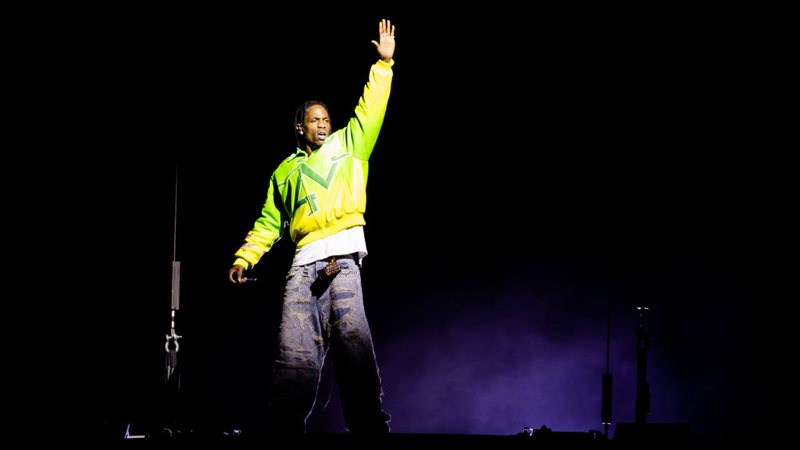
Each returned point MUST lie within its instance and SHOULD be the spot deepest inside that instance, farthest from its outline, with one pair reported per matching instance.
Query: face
(316, 127)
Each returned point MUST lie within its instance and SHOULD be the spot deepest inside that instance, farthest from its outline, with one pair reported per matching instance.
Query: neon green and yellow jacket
(324, 193)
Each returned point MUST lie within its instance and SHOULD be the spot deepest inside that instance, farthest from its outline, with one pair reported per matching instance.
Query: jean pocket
(295, 271)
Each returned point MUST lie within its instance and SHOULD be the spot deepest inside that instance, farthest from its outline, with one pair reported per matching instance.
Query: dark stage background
(530, 171)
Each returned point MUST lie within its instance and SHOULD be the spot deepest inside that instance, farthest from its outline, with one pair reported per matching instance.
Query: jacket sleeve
(267, 229)
(362, 129)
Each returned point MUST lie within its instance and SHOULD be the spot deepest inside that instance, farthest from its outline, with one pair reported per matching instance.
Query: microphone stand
(172, 376)
(605, 407)
(642, 386)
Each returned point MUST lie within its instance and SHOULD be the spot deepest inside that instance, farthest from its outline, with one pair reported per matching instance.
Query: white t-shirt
(344, 242)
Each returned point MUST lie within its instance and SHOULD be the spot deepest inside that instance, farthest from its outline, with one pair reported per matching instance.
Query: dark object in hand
(330, 269)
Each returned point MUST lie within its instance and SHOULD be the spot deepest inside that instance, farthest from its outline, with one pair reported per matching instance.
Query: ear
(299, 128)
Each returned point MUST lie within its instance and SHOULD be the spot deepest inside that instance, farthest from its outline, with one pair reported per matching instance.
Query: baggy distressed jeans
(319, 315)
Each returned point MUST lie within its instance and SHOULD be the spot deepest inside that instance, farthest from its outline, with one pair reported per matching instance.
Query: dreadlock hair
(300, 118)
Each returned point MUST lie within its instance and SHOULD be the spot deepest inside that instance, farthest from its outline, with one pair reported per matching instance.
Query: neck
(309, 148)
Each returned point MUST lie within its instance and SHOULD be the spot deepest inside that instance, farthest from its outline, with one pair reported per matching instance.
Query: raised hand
(385, 44)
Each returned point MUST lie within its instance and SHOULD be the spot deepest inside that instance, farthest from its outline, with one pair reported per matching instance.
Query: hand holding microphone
(236, 275)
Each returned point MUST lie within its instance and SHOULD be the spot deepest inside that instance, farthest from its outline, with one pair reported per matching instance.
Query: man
(320, 191)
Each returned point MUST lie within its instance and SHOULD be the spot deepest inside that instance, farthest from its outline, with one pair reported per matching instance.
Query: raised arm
(385, 42)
